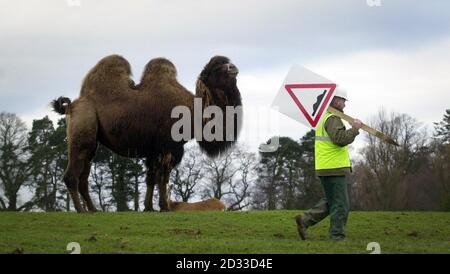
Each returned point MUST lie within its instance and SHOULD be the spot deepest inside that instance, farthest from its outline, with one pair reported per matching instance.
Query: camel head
(219, 73)
(217, 86)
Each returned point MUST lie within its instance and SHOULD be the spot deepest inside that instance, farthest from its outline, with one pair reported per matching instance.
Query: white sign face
(304, 96)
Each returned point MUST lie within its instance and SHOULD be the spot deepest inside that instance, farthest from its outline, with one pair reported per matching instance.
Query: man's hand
(356, 124)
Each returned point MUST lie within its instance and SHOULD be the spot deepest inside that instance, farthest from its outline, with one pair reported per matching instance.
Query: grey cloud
(47, 47)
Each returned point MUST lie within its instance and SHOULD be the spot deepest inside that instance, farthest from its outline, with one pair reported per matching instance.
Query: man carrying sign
(332, 162)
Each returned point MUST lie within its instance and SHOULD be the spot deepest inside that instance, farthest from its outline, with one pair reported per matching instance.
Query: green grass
(219, 232)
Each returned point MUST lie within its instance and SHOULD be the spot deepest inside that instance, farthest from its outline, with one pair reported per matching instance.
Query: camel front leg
(163, 204)
(150, 179)
(148, 203)
(166, 168)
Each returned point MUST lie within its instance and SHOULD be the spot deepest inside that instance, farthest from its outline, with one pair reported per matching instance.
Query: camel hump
(111, 64)
(111, 74)
(158, 69)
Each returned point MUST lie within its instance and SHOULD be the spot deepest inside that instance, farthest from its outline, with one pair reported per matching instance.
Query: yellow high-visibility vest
(327, 154)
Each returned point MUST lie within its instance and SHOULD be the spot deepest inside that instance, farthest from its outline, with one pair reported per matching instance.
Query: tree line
(412, 176)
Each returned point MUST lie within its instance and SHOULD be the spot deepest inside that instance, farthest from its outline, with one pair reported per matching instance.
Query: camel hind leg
(82, 142)
(83, 185)
(166, 166)
(158, 172)
(71, 181)
(76, 176)
(150, 179)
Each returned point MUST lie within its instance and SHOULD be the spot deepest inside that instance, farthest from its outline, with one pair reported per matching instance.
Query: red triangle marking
(312, 122)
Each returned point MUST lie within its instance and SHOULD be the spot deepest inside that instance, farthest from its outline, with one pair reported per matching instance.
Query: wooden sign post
(364, 127)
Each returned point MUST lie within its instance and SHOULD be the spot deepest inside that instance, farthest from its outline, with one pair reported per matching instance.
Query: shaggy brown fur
(108, 79)
(212, 204)
(138, 123)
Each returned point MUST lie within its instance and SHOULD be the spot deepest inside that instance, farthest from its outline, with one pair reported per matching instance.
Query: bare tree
(239, 197)
(14, 168)
(229, 176)
(390, 177)
(98, 175)
(186, 177)
(219, 173)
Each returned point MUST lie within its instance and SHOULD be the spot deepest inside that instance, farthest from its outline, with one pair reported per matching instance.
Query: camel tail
(61, 104)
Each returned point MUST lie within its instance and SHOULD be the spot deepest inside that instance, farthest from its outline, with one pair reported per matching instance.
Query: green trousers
(335, 204)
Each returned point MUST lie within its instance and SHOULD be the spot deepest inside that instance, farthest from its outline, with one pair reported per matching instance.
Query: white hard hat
(340, 92)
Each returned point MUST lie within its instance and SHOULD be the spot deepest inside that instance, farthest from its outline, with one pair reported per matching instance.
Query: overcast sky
(395, 56)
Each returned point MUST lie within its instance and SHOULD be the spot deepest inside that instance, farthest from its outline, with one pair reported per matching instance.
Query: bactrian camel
(135, 120)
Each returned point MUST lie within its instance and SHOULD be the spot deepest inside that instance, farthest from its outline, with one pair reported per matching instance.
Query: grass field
(219, 232)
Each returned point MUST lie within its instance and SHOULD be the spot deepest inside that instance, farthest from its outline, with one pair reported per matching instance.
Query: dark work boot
(301, 227)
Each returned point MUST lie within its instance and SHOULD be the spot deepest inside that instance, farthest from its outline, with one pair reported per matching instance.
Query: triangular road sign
(304, 96)
(323, 94)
